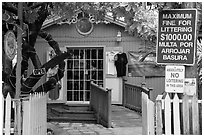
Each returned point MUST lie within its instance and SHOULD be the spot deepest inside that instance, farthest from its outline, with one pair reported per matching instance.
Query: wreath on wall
(84, 26)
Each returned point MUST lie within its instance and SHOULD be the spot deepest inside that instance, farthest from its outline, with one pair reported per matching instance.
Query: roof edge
(54, 20)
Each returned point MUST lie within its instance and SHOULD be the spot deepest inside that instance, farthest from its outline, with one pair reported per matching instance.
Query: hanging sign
(174, 79)
(176, 40)
(39, 72)
(10, 44)
(190, 86)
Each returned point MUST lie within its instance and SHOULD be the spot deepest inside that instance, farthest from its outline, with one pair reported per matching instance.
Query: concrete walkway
(124, 122)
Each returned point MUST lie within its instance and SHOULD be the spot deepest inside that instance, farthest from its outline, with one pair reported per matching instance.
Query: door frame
(65, 73)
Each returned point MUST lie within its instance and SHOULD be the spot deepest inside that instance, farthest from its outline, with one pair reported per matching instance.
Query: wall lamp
(119, 37)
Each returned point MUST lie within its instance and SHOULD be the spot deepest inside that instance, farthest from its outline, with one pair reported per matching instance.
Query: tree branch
(36, 5)
(50, 41)
(33, 79)
(6, 7)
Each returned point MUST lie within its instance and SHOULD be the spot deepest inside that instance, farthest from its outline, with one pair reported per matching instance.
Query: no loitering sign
(174, 79)
(176, 40)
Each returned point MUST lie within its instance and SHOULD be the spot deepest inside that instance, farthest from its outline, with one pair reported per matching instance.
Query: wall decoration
(84, 26)
(10, 44)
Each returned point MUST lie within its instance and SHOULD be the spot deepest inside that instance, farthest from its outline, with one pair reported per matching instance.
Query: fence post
(3, 113)
(195, 115)
(25, 117)
(98, 110)
(151, 115)
(159, 123)
(18, 119)
(186, 128)
(176, 115)
(145, 122)
(167, 113)
(45, 114)
(109, 108)
(30, 111)
(8, 115)
(124, 92)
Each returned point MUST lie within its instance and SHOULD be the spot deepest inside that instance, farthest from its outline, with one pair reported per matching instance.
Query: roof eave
(54, 20)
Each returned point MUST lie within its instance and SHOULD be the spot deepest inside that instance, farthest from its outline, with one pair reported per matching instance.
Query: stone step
(72, 113)
(76, 106)
(71, 119)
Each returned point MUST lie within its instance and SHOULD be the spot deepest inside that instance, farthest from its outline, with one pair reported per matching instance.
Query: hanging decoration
(10, 44)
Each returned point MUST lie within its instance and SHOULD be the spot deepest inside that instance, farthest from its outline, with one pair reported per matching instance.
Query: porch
(116, 119)
(124, 122)
(121, 120)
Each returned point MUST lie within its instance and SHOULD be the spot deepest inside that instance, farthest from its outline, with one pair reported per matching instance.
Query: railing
(147, 111)
(137, 98)
(30, 115)
(173, 116)
(100, 103)
(132, 97)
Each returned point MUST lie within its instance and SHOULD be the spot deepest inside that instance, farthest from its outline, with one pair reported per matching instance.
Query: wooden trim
(57, 19)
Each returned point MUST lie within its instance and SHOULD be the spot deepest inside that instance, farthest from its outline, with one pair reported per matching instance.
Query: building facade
(93, 59)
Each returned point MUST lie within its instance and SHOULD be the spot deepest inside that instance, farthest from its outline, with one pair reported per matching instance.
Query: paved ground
(124, 122)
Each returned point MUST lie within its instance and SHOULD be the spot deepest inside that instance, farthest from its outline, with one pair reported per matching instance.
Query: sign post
(176, 40)
(19, 50)
(17, 124)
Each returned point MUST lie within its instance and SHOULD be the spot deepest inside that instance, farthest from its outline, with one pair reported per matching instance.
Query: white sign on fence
(174, 79)
(190, 86)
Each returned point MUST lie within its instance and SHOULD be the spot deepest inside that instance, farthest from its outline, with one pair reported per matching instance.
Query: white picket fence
(30, 115)
(172, 116)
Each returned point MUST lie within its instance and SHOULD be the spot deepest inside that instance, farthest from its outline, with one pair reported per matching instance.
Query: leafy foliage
(141, 18)
(199, 61)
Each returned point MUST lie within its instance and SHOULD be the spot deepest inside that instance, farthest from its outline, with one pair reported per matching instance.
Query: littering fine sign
(176, 40)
